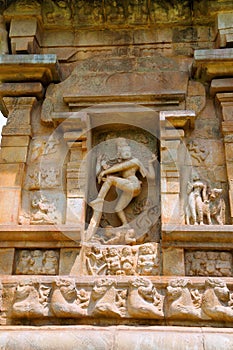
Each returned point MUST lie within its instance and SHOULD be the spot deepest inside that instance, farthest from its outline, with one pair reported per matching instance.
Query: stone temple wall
(116, 174)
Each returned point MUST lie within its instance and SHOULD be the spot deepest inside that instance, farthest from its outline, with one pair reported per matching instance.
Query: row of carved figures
(137, 298)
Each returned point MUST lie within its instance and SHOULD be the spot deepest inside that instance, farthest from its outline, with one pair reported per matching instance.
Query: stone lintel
(183, 119)
(71, 121)
(29, 68)
(213, 63)
(225, 29)
(115, 337)
(201, 236)
(36, 235)
(21, 89)
(225, 97)
(219, 86)
(152, 99)
(227, 128)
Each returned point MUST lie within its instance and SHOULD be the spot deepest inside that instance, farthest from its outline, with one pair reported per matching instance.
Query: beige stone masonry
(225, 29)
(226, 103)
(25, 35)
(173, 125)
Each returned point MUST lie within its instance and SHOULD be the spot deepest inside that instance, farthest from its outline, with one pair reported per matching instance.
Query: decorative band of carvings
(205, 300)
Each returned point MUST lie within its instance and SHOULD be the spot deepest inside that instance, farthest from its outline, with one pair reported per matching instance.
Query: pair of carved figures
(204, 204)
(180, 300)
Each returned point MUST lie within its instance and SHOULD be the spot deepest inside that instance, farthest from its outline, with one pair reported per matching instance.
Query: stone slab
(11, 175)
(221, 85)
(173, 262)
(13, 141)
(6, 261)
(67, 265)
(54, 235)
(213, 63)
(115, 338)
(56, 338)
(21, 89)
(13, 154)
(205, 236)
(43, 68)
(9, 204)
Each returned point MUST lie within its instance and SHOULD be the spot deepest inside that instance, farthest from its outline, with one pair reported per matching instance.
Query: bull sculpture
(202, 205)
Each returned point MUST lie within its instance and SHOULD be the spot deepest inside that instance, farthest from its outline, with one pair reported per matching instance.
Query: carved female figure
(196, 196)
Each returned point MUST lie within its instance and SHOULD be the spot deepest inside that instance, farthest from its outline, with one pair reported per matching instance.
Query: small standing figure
(113, 262)
(50, 262)
(196, 197)
(25, 262)
(127, 261)
(37, 256)
(148, 262)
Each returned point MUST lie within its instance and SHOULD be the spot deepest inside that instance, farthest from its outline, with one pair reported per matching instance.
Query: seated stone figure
(122, 175)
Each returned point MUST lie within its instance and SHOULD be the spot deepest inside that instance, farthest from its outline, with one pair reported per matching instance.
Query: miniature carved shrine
(116, 174)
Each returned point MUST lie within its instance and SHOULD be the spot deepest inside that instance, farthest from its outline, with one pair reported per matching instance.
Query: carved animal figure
(212, 207)
(179, 303)
(216, 300)
(215, 208)
(65, 300)
(27, 302)
(143, 300)
(103, 299)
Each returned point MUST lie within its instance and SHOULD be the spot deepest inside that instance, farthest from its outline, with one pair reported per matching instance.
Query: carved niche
(123, 189)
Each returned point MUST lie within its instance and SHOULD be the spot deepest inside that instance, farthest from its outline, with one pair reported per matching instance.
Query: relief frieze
(178, 300)
(143, 260)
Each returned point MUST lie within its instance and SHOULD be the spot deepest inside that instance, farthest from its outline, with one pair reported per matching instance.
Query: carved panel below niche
(208, 263)
(36, 262)
(123, 260)
(142, 212)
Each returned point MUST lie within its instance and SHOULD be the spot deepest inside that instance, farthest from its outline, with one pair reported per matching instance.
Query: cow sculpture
(212, 208)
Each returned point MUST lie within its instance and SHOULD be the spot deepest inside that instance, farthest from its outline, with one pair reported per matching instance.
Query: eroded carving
(143, 299)
(31, 300)
(197, 152)
(103, 300)
(43, 178)
(88, 13)
(115, 11)
(44, 211)
(208, 263)
(137, 11)
(43, 147)
(37, 262)
(67, 300)
(57, 11)
(148, 261)
(181, 301)
(216, 301)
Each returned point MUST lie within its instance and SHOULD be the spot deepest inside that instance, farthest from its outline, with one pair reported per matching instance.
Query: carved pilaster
(226, 102)
(15, 143)
(172, 126)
